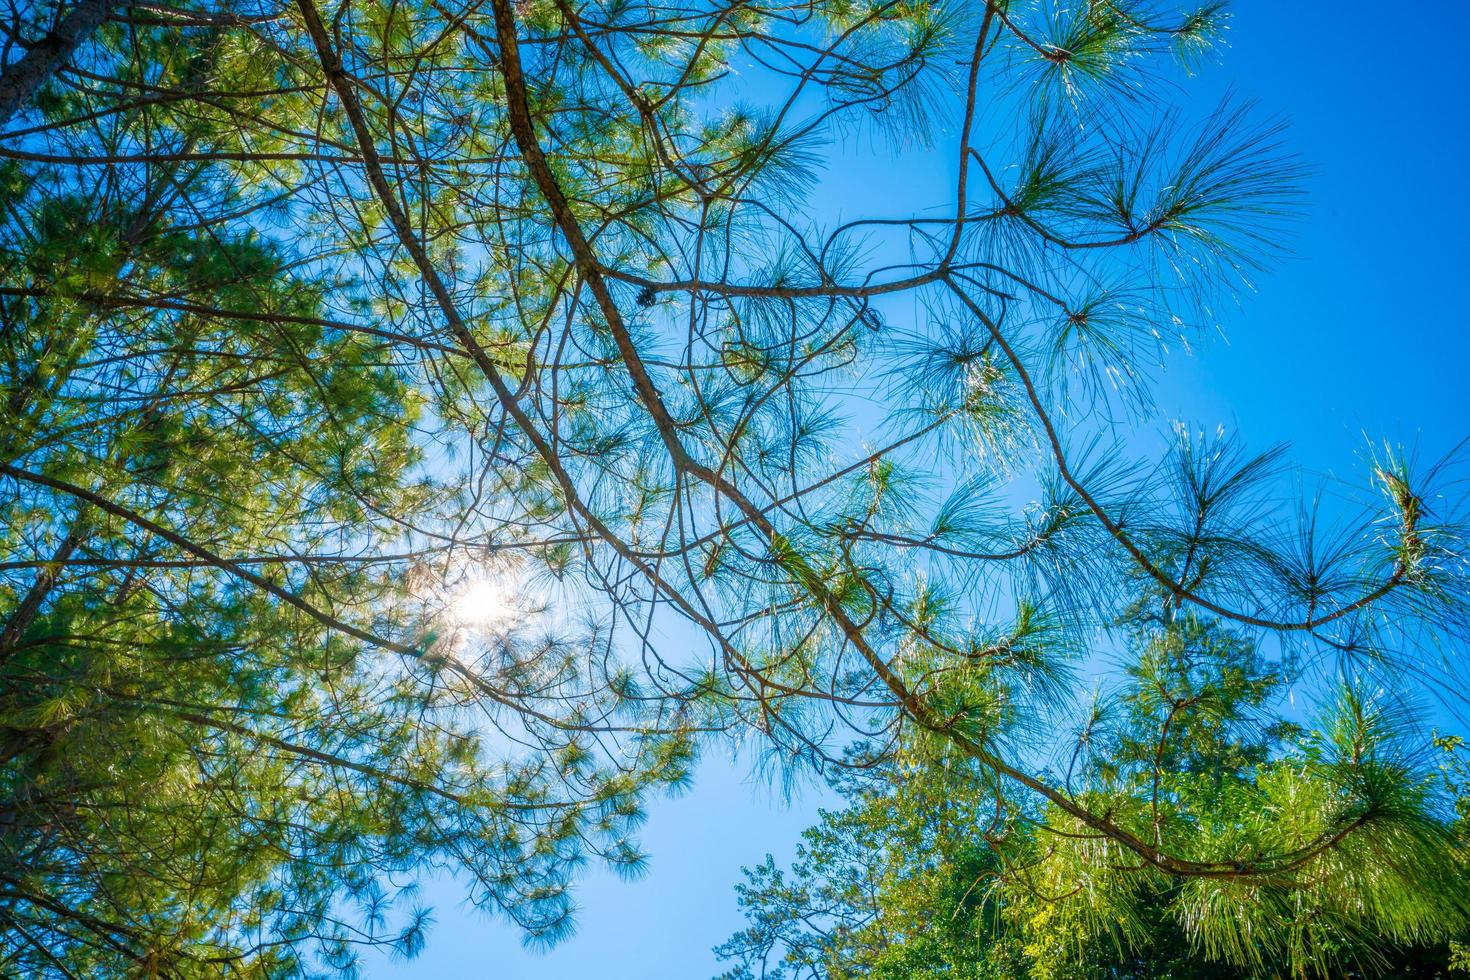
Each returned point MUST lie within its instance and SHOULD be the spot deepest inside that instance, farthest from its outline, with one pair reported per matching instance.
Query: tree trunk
(20, 80)
(25, 613)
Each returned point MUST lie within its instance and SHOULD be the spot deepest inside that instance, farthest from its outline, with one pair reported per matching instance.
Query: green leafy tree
(931, 872)
(898, 884)
(379, 305)
(226, 714)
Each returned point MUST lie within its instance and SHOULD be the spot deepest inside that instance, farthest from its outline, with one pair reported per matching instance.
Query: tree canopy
(428, 424)
(928, 873)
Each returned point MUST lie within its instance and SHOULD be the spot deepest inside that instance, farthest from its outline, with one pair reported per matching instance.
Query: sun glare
(481, 604)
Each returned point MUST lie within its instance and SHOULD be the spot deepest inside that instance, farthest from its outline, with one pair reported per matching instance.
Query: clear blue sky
(1362, 334)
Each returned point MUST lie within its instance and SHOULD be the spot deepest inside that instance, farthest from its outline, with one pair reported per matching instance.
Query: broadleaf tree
(426, 423)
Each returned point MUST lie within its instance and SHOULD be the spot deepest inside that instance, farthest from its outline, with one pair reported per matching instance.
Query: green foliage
(199, 775)
(933, 870)
(425, 423)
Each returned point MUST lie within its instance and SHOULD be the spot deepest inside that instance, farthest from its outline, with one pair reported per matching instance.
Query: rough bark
(20, 79)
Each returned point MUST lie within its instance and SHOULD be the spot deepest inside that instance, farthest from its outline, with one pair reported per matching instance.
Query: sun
(482, 604)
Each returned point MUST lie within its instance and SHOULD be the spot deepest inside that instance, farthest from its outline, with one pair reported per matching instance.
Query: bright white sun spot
(483, 604)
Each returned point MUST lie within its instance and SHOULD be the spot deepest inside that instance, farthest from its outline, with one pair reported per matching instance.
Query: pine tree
(933, 871)
(228, 705)
(316, 315)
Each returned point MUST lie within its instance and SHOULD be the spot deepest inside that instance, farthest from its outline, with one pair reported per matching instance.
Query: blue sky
(1360, 335)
